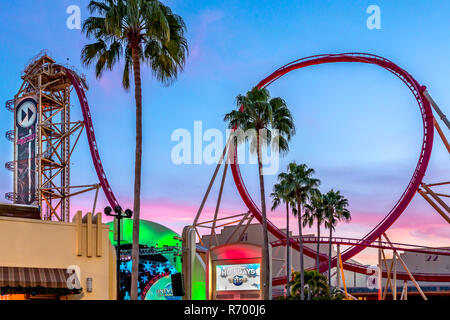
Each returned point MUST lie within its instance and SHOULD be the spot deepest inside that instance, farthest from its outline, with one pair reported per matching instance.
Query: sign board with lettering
(26, 149)
(238, 277)
(234, 272)
(161, 290)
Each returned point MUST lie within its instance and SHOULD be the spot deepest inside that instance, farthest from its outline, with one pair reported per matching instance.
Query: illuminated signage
(233, 277)
(26, 150)
(161, 290)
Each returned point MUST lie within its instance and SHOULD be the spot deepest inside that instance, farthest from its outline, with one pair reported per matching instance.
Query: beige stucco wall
(49, 244)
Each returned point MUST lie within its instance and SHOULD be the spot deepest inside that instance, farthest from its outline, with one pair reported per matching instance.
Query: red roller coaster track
(416, 180)
(376, 244)
(357, 245)
(78, 85)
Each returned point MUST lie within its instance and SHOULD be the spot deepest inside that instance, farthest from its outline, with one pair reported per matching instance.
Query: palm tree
(316, 283)
(302, 185)
(314, 213)
(280, 194)
(136, 31)
(335, 210)
(263, 120)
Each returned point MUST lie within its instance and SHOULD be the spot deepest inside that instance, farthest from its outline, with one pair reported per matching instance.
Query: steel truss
(52, 87)
(434, 198)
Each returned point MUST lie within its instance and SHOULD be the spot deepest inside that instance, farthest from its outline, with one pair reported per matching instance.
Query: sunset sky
(357, 125)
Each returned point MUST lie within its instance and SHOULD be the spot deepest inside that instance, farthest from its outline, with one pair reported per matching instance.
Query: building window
(244, 237)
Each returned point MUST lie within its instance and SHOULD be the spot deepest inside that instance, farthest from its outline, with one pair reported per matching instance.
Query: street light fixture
(119, 215)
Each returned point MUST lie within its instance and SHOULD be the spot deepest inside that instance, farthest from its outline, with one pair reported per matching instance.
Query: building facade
(47, 247)
(254, 235)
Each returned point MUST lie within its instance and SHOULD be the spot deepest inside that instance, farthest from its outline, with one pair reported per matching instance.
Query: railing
(399, 289)
(366, 243)
(152, 251)
(33, 60)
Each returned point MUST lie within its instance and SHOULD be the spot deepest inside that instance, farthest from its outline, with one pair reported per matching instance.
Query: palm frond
(148, 26)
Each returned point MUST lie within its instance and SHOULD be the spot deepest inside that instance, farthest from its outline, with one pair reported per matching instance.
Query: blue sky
(357, 125)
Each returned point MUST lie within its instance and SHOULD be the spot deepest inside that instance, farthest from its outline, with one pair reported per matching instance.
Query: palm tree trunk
(267, 275)
(300, 239)
(288, 258)
(329, 261)
(318, 246)
(137, 175)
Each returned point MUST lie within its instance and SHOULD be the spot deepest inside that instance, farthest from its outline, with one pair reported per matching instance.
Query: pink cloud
(207, 18)
(419, 224)
(111, 80)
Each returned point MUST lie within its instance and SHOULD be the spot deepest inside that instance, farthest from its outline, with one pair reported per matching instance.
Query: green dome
(150, 233)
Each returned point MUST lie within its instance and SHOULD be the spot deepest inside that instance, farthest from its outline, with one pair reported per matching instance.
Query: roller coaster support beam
(407, 270)
(203, 224)
(245, 228)
(380, 271)
(404, 295)
(425, 193)
(435, 197)
(211, 182)
(436, 108)
(219, 199)
(205, 197)
(394, 289)
(342, 273)
(338, 277)
(388, 280)
(237, 228)
(441, 134)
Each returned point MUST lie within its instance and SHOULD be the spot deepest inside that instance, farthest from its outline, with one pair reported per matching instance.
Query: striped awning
(33, 277)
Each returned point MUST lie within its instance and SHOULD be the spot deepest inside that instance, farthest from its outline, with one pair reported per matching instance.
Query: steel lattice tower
(44, 164)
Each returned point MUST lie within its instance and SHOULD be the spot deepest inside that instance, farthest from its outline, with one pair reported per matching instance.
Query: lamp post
(119, 215)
